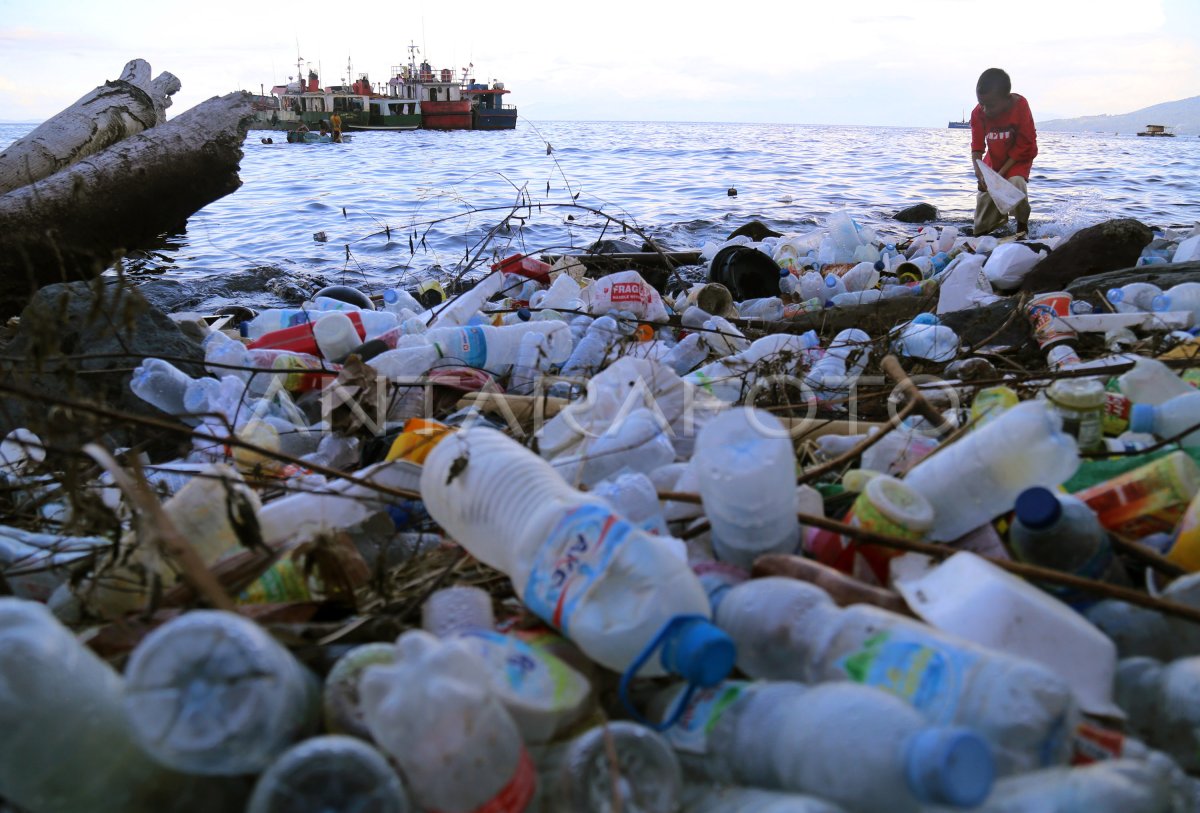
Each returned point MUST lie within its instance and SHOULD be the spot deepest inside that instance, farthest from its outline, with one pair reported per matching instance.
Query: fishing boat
(448, 101)
(303, 101)
(960, 125)
(1157, 131)
(488, 112)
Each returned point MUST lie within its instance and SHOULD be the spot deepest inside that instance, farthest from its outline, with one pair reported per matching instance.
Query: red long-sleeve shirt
(1010, 135)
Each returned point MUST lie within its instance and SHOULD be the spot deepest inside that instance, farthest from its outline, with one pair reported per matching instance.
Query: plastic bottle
(458, 310)
(812, 285)
(861, 277)
(851, 298)
(573, 561)
(273, 319)
(828, 373)
(1161, 701)
(302, 338)
(747, 471)
(541, 693)
(212, 693)
(66, 745)
(705, 798)
(397, 300)
(1170, 418)
(979, 477)
(329, 773)
(340, 702)
(1080, 402)
(926, 339)
(687, 355)
(496, 348)
(791, 630)
(1063, 533)
(785, 736)
(634, 496)
(834, 287)
(1134, 297)
(588, 356)
(769, 308)
(1152, 498)
(580, 776)
(1182, 297)
(476, 758)
(1151, 382)
(531, 361)
(1114, 786)
(162, 385)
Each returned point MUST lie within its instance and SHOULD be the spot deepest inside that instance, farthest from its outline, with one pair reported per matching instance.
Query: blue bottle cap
(1141, 418)
(783, 272)
(524, 314)
(699, 652)
(949, 766)
(1038, 508)
(390, 295)
(1160, 303)
(926, 319)
(879, 266)
(831, 281)
(1115, 295)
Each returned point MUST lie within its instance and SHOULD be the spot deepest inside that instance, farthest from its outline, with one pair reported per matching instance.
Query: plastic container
(1170, 418)
(66, 745)
(1134, 297)
(1182, 297)
(541, 693)
(637, 441)
(1044, 312)
(588, 355)
(1080, 402)
(791, 630)
(769, 308)
(302, 338)
(575, 563)
(746, 467)
(581, 776)
(162, 385)
(829, 373)
(329, 773)
(936, 343)
(1115, 786)
(1061, 532)
(991, 403)
(687, 355)
(525, 266)
(477, 757)
(496, 348)
(704, 798)
(1151, 382)
(981, 474)
(971, 597)
(212, 693)
(785, 736)
(398, 300)
(340, 702)
(531, 362)
(1161, 701)
(1149, 499)
(633, 495)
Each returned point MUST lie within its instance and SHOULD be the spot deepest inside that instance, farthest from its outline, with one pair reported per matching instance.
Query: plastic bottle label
(929, 678)
(571, 560)
(470, 347)
(528, 673)
(692, 730)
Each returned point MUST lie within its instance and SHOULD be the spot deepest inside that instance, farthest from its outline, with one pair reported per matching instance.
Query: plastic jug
(1151, 382)
(434, 713)
(329, 773)
(785, 736)
(622, 595)
(981, 474)
(792, 630)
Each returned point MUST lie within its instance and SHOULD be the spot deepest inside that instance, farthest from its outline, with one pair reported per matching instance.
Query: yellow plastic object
(417, 440)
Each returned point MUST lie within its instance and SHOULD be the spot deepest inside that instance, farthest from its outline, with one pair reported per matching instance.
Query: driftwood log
(75, 223)
(111, 112)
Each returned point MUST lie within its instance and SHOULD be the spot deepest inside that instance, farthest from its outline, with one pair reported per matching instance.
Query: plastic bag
(1010, 263)
(1004, 194)
(965, 286)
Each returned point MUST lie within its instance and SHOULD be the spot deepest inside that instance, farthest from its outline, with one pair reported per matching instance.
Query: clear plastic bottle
(1134, 297)
(1063, 533)
(861, 277)
(459, 310)
(812, 285)
(329, 773)
(828, 373)
(588, 355)
(511, 510)
(769, 308)
(1151, 382)
(212, 693)
(851, 298)
(786, 736)
(66, 745)
(434, 713)
(633, 495)
(1182, 297)
(834, 287)
(747, 471)
(542, 693)
(579, 775)
(979, 477)
(397, 300)
(687, 355)
(496, 348)
(786, 629)
(1163, 704)
(703, 798)
(639, 442)
(1114, 786)
(532, 360)
(1168, 419)
(926, 339)
(162, 385)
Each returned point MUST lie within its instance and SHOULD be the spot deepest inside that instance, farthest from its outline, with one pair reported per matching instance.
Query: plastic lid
(1160, 303)
(950, 766)
(390, 295)
(1115, 295)
(1081, 393)
(699, 652)
(1038, 507)
(1141, 418)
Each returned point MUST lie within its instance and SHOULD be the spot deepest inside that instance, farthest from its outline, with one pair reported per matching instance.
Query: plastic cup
(1044, 312)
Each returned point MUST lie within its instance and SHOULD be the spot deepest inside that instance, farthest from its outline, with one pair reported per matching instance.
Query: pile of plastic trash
(570, 544)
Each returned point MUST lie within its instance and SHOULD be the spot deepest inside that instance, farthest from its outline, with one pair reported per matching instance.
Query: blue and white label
(924, 672)
(469, 347)
(571, 560)
(693, 730)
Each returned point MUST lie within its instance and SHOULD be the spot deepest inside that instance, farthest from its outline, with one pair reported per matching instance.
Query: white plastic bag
(1004, 194)
(1009, 263)
(624, 291)
(965, 286)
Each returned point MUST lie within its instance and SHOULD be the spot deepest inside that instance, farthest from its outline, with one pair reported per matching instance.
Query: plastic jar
(1081, 403)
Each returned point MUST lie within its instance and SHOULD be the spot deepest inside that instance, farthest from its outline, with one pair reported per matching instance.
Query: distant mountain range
(1181, 117)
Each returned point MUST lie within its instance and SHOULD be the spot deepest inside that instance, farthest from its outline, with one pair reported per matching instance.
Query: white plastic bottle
(459, 310)
(685, 356)
(861, 277)
(787, 629)
(580, 775)
(588, 355)
(66, 745)
(747, 471)
(705, 798)
(1182, 297)
(829, 373)
(1151, 382)
(162, 385)
(329, 773)
(532, 360)
(633, 494)
(619, 593)
(769, 308)
(398, 300)
(435, 714)
(834, 287)
(925, 338)
(495, 348)
(1168, 419)
(638, 441)
(812, 285)
(803, 739)
(979, 477)
(1134, 297)
(1163, 704)
(212, 693)
(542, 693)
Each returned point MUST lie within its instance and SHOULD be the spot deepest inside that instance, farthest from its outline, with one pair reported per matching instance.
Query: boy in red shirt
(1002, 124)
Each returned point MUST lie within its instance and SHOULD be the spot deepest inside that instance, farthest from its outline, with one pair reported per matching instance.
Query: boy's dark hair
(993, 79)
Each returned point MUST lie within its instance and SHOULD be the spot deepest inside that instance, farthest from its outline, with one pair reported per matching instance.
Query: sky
(871, 62)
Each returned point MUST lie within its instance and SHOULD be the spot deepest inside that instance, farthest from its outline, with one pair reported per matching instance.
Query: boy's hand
(980, 184)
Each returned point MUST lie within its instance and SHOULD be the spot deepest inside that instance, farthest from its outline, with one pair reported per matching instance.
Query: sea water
(393, 209)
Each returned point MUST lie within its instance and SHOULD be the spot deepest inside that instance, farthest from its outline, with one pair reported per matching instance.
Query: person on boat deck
(335, 123)
(1003, 135)
(324, 127)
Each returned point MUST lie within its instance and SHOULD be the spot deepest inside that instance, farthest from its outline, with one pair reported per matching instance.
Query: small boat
(304, 101)
(1157, 130)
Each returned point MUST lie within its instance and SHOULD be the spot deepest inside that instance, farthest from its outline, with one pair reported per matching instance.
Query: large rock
(80, 341)
(1107, 246)
(920, 213)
